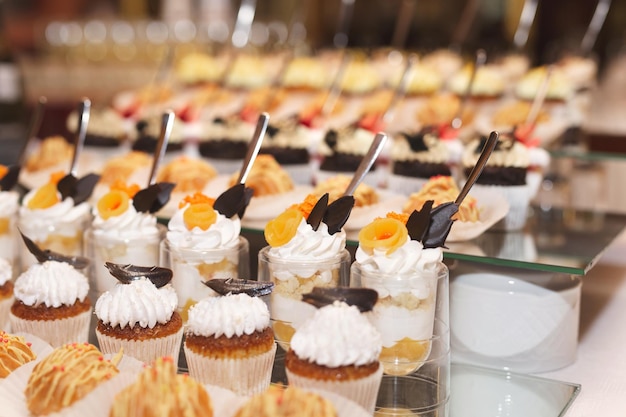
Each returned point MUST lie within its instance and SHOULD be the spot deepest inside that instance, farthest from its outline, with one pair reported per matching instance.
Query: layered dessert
(138, 315)
(53, 222)
(337, 350)
(202, 244)
(229, 342)
(298, 258)
(65, 376)
(121, 233)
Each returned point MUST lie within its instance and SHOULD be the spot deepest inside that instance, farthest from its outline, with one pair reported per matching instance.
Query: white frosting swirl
(230, 315)
(337, 335)
(6, 271)
(138, 303)
(290, 134)
(223, 234)
(8, 203)
(353, 141)
(39, 220)
(436, 152)
(515, 156)
(311, 245)
(128, 225)
(51, 283)
(408, 258)
(233, 129)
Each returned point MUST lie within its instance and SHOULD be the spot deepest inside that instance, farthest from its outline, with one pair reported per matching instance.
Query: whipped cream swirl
(337, 335)
(223, 234)
(128, 225)
(51, 283)
(6, 271)
(138, 303)
(310, 245)
(515, 156)
(64, 212)
(8, 203)
(350, 140)
(407, 259)
(230, 315)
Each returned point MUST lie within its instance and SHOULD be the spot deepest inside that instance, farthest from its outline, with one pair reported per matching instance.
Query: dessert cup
(9, 242)
(100, 248)
(412, 315)
(292, 278)
(64, 237)
(193, 266)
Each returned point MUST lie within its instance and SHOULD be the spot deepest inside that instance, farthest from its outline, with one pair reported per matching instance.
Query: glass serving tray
(477, 391)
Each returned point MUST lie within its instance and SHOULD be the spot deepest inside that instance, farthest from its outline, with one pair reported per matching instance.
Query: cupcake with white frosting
(337, 350)
(229, 343)
(139, 314)
(51, 303)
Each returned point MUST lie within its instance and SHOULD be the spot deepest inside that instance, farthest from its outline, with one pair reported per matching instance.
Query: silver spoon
(481, 58)
(596, 23)
(367, 162)
(529, 11)
(67, 184)
(490, 145)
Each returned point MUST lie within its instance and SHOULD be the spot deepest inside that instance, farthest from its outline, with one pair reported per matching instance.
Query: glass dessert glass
(9, 242)
(412, 315)
(193, 266)
(291, 279)
(101, 248)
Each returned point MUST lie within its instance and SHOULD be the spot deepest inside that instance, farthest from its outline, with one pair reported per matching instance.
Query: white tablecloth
(601, 363)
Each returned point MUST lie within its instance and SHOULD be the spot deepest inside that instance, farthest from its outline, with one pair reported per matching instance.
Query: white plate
(362, 216)
(492, 207)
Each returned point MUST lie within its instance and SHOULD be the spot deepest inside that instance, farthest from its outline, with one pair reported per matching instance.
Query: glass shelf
(476, 391)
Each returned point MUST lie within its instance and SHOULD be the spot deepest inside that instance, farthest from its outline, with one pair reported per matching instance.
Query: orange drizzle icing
(442, 189)
(68, 374)
(290, 401)
(14, 352)
(159, 390)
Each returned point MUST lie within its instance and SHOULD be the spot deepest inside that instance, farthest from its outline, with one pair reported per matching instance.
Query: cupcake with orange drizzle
(123, 231)
(202, 244)
(15, 351)
(404, 271)
(53, 222)
(306, 249)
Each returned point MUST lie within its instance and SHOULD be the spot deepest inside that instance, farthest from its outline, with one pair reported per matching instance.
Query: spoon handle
(167, 121)
(540, 97)
(400, 91)
(335, 88)
(33, 128)
(490, 145)
(346, 9)
(368, 160)
(529, 11)
(254, 146)
(481, 58)
(596, 23)
(84, 108)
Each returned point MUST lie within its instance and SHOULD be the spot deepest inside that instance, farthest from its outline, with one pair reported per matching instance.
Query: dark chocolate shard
(10, 178)
(440, 225)
(42, 256)
(84, 187)
(233, 201)
(362, 298)
(419, 222)
(317, 213)
(416, 140)
(153, 198)
(272, 130)
(127, 273)
(337, 213)
(67, 186)
(331, 138)
(225, 286)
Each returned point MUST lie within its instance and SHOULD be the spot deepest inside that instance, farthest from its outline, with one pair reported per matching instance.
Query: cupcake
(147, 135)
(125, 229)
(306, 249)
(202, 244)
(229, 341)
(289, 141)
(6, 292)
(337, 350)
(415, 158)
(15, 351)
(9, 206)
(160, 391)
(65, 376)
(505, 172)
(139, 314)
(54, 221)
(106, 130)
(51, 299)
(224, 142)
(488, 82)
(335, 187)
(285, 402)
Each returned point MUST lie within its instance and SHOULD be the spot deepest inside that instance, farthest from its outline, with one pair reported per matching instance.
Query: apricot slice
(113, 203)
(387, 233)
(283, 228)
(199, 215)
(46, 196)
